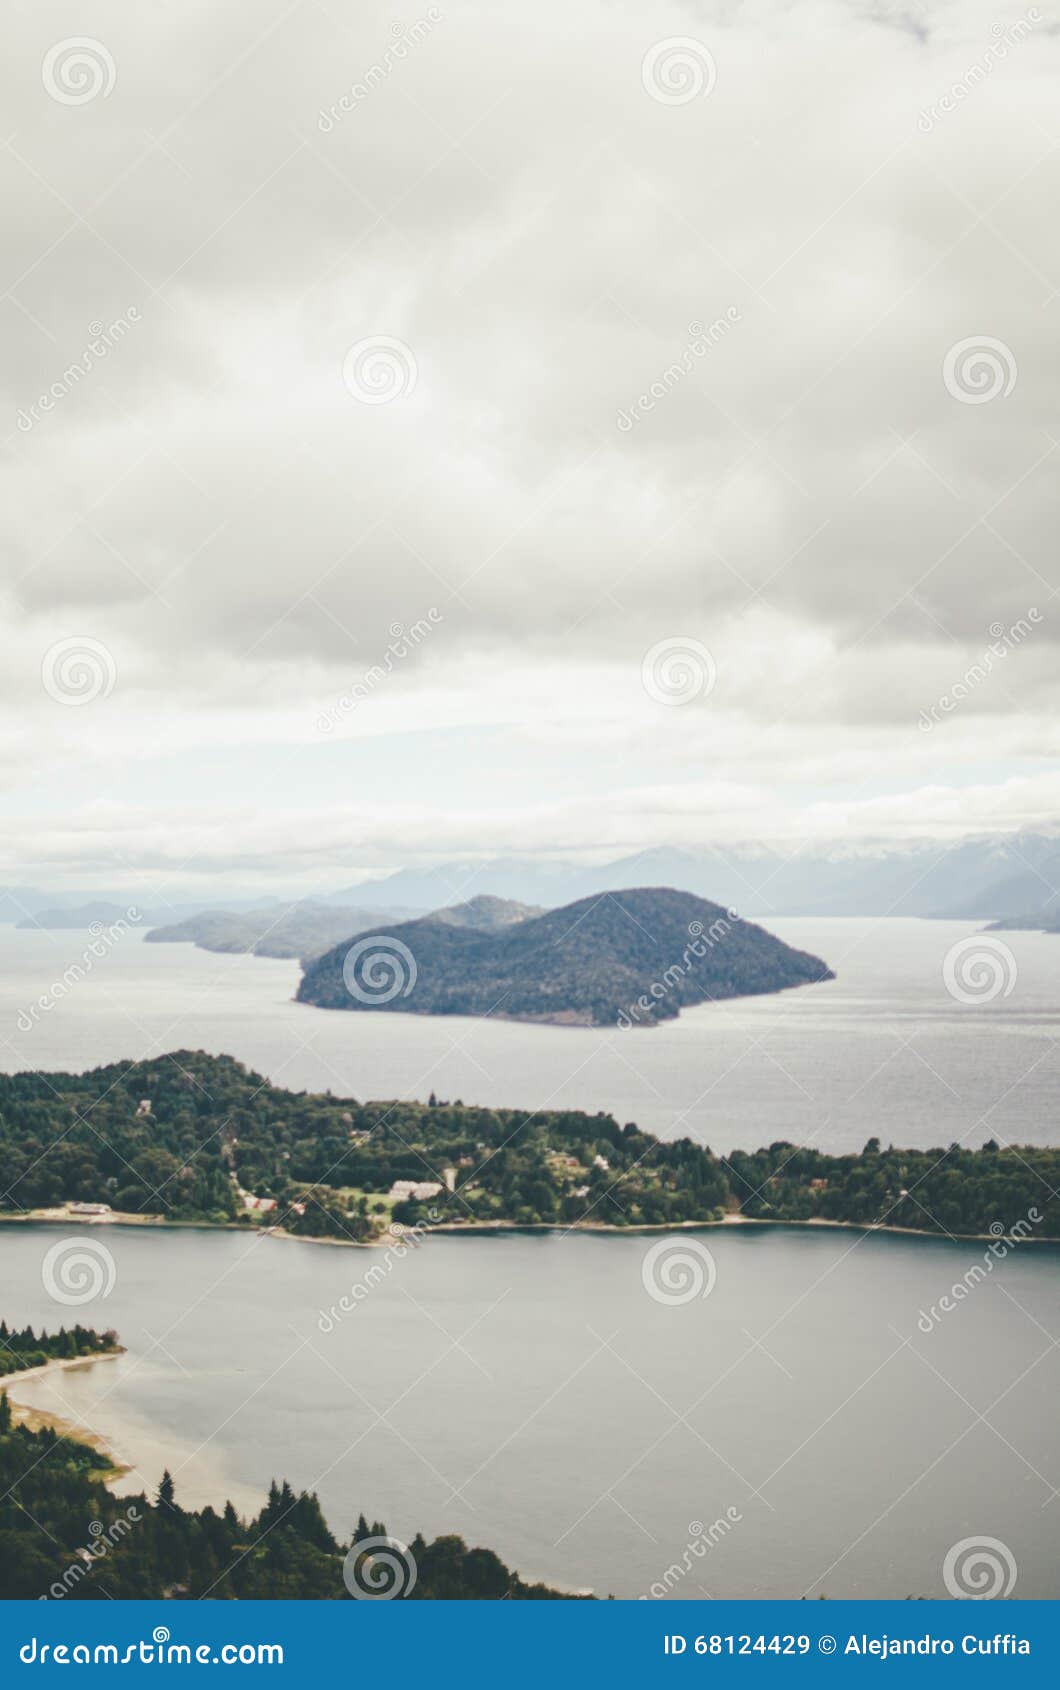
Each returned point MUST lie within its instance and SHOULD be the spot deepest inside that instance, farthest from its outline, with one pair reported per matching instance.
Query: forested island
(22, 1350)
(63, 1536)
(192, 1137)
(307, 929)
(629, 959)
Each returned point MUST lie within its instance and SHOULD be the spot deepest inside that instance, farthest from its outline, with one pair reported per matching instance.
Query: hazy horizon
(429, 441)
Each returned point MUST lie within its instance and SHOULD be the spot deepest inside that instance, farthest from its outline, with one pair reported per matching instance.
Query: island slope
(630, 958)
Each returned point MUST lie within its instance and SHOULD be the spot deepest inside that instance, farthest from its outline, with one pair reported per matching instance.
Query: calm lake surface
(526, 1391)
(882, 1050)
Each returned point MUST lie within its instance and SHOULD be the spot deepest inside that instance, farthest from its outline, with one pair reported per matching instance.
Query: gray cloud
(799, 489)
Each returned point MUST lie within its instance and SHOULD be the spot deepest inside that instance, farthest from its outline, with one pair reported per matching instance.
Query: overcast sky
(704, 443)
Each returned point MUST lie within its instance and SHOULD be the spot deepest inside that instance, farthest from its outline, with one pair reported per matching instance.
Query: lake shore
(111, 1468)
(481, 1229)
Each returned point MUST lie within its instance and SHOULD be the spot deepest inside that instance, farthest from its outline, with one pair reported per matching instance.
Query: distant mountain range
(983, 879)
(987, 879)
(629, 958)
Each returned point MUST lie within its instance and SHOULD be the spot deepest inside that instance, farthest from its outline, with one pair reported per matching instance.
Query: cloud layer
(727, 326)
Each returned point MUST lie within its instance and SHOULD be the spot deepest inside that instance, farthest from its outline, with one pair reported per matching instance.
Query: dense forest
(63, 1536)
(188, 1136)
(20, 1350)
(628, 959)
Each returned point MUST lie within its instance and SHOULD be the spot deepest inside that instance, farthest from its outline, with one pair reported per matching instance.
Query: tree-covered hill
(63, 1536)
(187, 1136)
(629, 958)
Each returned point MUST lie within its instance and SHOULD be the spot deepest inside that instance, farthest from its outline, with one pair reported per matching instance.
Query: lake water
(882, 1050)
(526, 1391)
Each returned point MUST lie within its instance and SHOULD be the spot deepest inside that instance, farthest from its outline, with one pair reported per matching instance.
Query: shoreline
(111, 1467)
(386, 1239)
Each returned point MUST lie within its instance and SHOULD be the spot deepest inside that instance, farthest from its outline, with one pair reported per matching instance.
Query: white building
(406, 1190)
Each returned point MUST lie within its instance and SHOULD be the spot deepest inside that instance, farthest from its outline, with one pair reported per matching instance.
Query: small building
(411, 1190)
(143, 1107)
(257, 1205)
(89, 1208)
